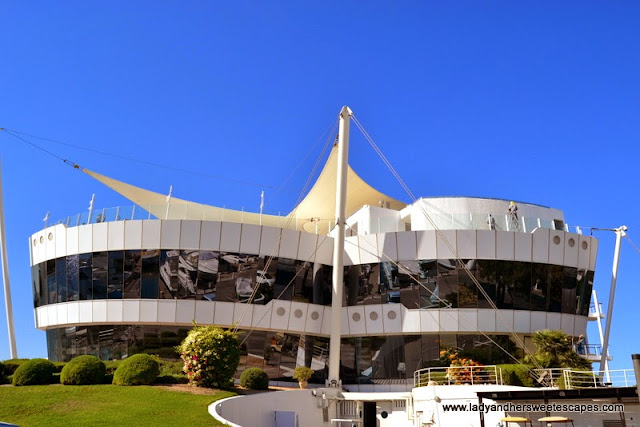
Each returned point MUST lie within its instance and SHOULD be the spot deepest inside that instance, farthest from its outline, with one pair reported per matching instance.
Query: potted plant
(302, 374)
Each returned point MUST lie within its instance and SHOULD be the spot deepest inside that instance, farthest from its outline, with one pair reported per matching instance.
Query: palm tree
(554, 350)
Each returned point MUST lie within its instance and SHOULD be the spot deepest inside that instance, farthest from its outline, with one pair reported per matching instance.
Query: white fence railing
(458, 375)
(598, 379)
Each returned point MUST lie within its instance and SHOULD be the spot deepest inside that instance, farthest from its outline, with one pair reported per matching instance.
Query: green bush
(139, 369)
(11, 365)
(211, 356)
(515, 374)
(254, 379)
(35, 371)
(83, 370)
(171, 368)
(171, 379)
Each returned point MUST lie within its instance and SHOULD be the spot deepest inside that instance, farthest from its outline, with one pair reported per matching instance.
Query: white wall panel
(210, 236)
(185, 311)
(449, 320)
(73, 312)
(430, 320)
(522, 321)
(373, 318)
(149, 311)
(204, 312)
(72, 240)
(594, 254)
(170, 234)
(62, 313)
(468, 319)
(584, 252)
(133, 234)
(242, 314)
(289, 244)
(151, 233)
(466, 240)
(368, 248)
(556, 247)
(261, 315)
(351, 251)
(50, 242)
(52, 314)
(540, 242)
(167, 311)
(39, 250)
(190, 234)
(407, 245)
(280, 314)
(486, 244)
(356, 318)
(447, 245)
(411, 321)
(131, 311)
(115, 311)
(100, 236)
(223, 314)
(99, 311)
(85, 239)
(325, 250)
(523, 246)
(116, 236)
(504, 321)
(538, 320)
(392, 317)
(567, 323)
(426, 243)
(580, 325)
(42, 320)
(486, 320)
(307, 247)
(505, 245)
(571, 245)
(230, 237)
(60, 239)
(553, 321)
(387, 246)
(85, 312)
(298, 316)
(250, 239)
(269, 244)
(315, 314)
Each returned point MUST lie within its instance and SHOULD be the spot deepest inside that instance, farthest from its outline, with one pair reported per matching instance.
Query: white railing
(458, 375)
(598, 379)
(549, 376)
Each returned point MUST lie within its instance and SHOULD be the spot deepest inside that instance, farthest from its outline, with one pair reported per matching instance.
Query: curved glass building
(125, 281)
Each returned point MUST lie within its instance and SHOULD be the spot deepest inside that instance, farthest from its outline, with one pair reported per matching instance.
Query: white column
(338, 249)
(13, 350)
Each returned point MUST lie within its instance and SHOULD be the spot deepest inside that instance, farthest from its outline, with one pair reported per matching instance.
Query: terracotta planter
(302, 384)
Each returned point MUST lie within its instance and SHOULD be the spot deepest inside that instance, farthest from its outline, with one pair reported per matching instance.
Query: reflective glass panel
(85, 266)
(150, 273)
(73, 270)
(132, 274)
(100, 261)
(116, 274)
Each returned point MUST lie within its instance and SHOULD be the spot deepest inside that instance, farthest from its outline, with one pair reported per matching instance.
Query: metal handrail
(574, 379)
(458, 375)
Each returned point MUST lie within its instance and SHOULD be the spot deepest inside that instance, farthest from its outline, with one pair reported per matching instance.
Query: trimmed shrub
(83, 370)
(514, 374)
(139, 369)
(59, 366)
(171, 368)
(254, 379)
(211, 356)
(33, 372)
(11, 365)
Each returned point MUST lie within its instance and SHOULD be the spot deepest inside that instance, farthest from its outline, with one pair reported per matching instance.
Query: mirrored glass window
(116, 274)
(51, 282)
(61, 279)
(132, 273)
(100, 265)
(150, 274)
(85, 276)
(73, 271)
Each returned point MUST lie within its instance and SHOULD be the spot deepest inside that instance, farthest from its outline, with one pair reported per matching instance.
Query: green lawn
(105, 405)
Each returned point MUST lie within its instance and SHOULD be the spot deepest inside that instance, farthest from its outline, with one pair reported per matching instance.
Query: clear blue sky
(532, 101)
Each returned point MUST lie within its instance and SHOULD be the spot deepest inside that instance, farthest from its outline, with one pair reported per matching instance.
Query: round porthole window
(391, 315)
(384, 414)
(585, 245)
(50, 236)
(556, 240)
(280, 311)
(314, 315)
(298, 313)
(571, 243)
(373, 315)
(34, 242)
(41, 239)
(356, 317)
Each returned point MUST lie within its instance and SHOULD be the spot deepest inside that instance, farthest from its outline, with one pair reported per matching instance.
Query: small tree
(554, 350)
(211, 356)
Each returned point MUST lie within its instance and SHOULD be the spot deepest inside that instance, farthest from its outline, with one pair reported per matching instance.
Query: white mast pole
(13, 350)
(338, 249)
(93, 198)
(620, 233)
(166, 215)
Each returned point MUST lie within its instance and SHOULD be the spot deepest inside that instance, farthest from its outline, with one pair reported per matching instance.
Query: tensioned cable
(16, 134)
(289, 219)
(632, 244)
(443, 237)
(406, 270)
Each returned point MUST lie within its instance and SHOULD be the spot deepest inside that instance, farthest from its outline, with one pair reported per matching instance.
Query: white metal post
(166, 215)
(594, 296)
(338, 249)
(13, 350)
(93, 199)
(620, 233)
